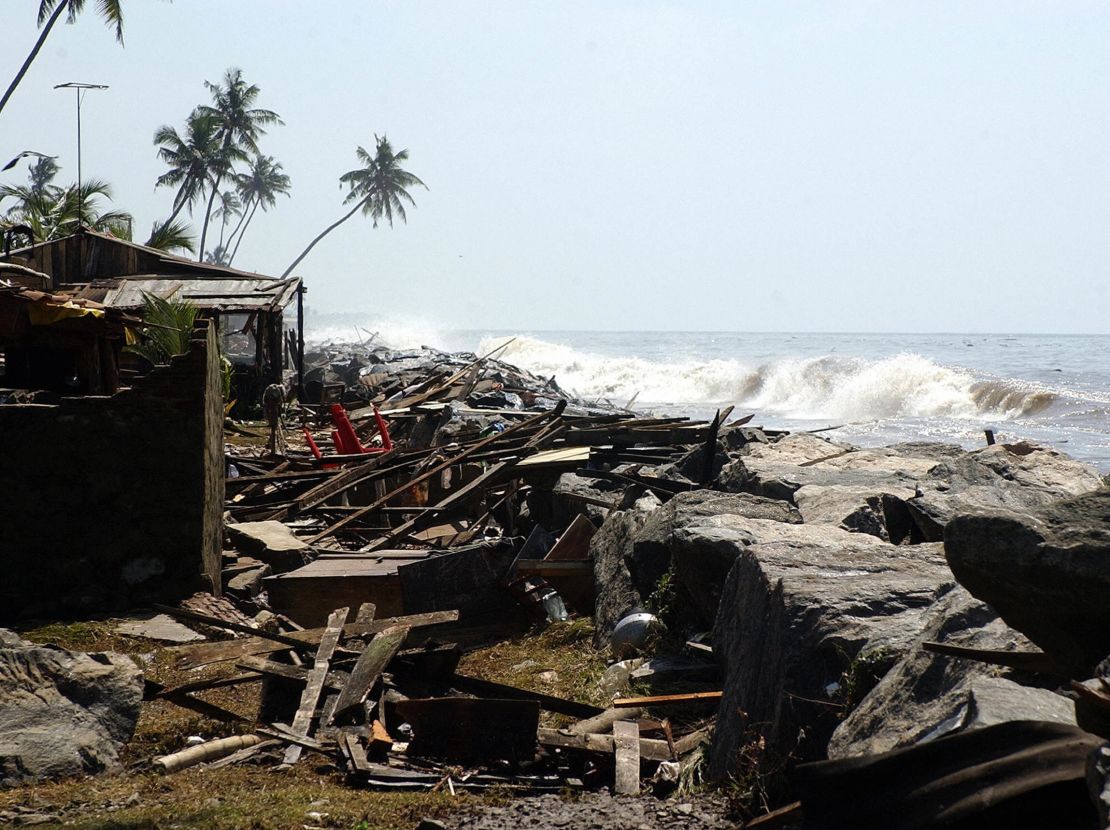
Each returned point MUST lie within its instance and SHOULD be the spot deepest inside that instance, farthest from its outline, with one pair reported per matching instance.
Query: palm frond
(171, 236)
(171, 327)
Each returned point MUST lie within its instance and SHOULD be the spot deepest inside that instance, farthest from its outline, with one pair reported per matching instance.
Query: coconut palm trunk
(242, 230)
(207, 216)
(322, 234)
(61, 7)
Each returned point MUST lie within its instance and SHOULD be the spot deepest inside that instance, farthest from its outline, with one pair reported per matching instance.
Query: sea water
(873, 389)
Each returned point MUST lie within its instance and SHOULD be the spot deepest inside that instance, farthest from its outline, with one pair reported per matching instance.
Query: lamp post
(80, 89)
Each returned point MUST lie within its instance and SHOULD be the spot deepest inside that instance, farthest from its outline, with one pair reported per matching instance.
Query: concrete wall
(110, 502)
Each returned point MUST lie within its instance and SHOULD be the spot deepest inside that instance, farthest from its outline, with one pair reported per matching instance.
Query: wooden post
(626, 750)
(300, 342)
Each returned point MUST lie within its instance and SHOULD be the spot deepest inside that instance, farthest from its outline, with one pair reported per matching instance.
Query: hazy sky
(855, 166)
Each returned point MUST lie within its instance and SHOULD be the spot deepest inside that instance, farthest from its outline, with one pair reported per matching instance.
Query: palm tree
(54, 212)
(378, 189)
(42, 173)
(230, 206)
(49, 12)
(259, 187)
(189, 157)
(239, 124)
(170, 327)
(171, 236)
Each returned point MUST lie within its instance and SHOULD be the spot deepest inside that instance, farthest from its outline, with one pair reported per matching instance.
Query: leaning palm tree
(259, 187)
(189, 158)
(378, 189)
(240, 125)
(49, 13)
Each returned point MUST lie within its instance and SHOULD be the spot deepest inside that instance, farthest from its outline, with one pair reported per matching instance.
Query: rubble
(793, 597)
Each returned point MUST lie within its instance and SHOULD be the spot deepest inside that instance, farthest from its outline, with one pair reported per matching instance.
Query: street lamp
(80, 89)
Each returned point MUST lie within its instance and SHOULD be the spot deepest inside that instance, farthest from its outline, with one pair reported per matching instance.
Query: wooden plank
(426, 518)
(284, 670)
(665, 700)
(302, 721)
(371, 663)
(202, 654)
(355, 752)
(574, 544)
(438, 468)
(626, 751)
(548, 703)
(216, 622)
(787, 816)
(602, 723)
(601, 745)
(543, 567)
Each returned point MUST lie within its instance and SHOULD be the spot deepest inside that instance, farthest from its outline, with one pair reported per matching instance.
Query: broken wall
(110, 502)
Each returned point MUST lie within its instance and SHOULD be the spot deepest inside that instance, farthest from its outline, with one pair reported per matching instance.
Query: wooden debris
(207, 751)
(626, 747)
(311, 696)
(369, 667)
(666, 700)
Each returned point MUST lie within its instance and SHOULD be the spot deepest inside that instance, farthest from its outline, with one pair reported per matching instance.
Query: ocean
(873, 388)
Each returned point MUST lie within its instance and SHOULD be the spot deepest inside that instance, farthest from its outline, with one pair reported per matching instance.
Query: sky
(741, 166)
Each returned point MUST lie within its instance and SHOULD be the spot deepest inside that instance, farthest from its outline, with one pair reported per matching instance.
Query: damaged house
(248, 310)
(113, 482)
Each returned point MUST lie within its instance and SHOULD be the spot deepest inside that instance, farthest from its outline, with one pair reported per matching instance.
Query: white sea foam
(394, 332)
(832, 386)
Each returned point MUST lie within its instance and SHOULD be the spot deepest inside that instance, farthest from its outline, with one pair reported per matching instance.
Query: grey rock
(610, 549)
(793, 616)
(158, 627)
(1046, 571)
(1015, 477)
(704, 548)
(63, 713)
(993, 700)
(780, 469)
(654, 543)
(1098, 782)
(269, 542)
(248, 583)
(862, 509)
(928, 694)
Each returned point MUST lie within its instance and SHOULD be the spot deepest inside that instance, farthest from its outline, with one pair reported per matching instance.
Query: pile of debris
(384, 700)
(360, 373)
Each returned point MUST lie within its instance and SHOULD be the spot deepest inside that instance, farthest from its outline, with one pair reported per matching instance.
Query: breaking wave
(831, 386)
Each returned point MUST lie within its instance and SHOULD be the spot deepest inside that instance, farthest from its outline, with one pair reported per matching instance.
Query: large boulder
(927, 695)
(1015, 477)
(795, 614)
(657, 545)
(62, 712)
(1046, 571)
(860, 508)
(610, 549)
(864, 490)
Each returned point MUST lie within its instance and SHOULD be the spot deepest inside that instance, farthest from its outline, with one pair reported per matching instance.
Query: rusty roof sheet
(220, 293)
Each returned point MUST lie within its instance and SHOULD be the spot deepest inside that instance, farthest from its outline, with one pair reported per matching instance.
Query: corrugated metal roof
(225, 294)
